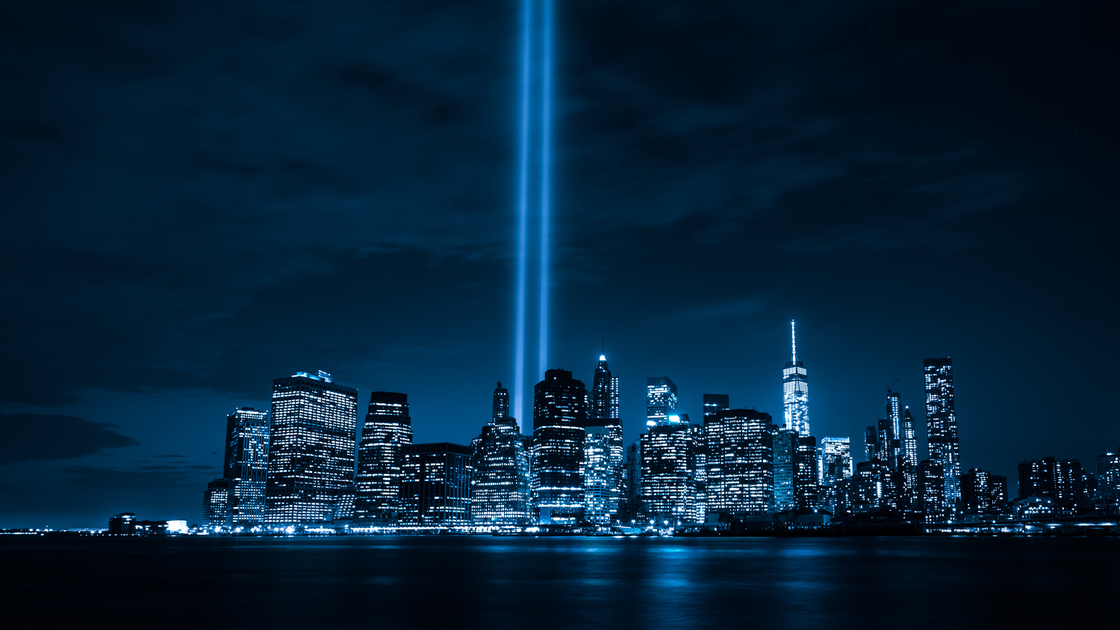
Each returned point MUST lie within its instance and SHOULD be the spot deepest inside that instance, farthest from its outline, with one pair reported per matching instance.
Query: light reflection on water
(404, 582)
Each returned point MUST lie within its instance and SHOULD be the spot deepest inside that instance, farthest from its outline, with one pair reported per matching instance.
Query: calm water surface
(508, 583)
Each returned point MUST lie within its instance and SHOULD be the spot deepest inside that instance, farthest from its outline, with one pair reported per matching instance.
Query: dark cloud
(32, 437)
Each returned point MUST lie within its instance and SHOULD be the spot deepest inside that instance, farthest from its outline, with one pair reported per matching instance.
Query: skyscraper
(740, 462)
(600, 482)
(795, 391)
(311, 455)
(807, 492)
(715, 403)
(603, 412)
(785, 455)
(500, 486)
(910, 455)
(835, 467)
(246, 466)
(661, 399)
(435, 486)
(388, 428)
(556, 473)
(931, 491)
(669, 471)
(941, 426)
(215, 503)
(893, 412)
(983, 493)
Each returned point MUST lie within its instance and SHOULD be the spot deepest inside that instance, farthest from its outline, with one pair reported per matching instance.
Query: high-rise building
(983, 493)
(795, 391)
(500, 487)
(387, 430)
(785, 467)
(835, 467)
(661, 399)
(311, 452)
(630, 511)
(740, 476)
(1036, 478)
(669, 471)
(871, 450)
(246, 466)
(893, 413)
(1106, 496)
(435, 486)
(806, 489)
(941, 427)
(600, 482)
(556, 474)
(931, 491)
(215, 503)
(910, 455)
(1071, 487)
(603, 412)
(700, 476)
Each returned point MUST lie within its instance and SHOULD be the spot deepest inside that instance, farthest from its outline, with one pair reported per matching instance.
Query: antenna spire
(793, 335)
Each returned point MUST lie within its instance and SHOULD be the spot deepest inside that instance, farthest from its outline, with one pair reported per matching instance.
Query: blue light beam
(522, 213)
(546, 167)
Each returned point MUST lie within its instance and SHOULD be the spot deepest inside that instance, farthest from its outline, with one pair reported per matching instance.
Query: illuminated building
(835, 467)
(556, 471)
(600, 483)
(246, 466)
(603, 412)
(124, 524)
(435, 486)
(785, 484)
(893, 447)
(806, 490)
(344, 510)
(1071, 487)
(941, 427)
(867, 486)
(215, 503)
(500, 487)
(700, 471)
(311, 453)
(931, 491)
(1106, 496)
(668, 471)
(983, 493)
(795, 391)
(661, 399)
(1036, 478)
(740, 476)
(910, 455)
(387, 429)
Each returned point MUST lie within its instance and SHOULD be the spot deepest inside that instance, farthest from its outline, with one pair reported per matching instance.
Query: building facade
(246, 466)
(661, 399)
(556, 474)
(603, 412)
(500, 487)
(669, 472)
(435, 485)
(795, 391)
(941, 427)
(387, 430)
(785, 457)
(740, 479)
(311, 451)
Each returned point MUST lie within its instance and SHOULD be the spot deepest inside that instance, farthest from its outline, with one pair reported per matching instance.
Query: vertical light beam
(546, 164)
(522, 213)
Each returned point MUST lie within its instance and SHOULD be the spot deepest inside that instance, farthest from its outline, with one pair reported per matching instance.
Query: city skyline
(335, 187)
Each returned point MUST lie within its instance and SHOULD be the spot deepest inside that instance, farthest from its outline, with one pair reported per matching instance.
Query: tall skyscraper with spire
(941, 427)
(500, 485)
(603, 412)
(795, 390)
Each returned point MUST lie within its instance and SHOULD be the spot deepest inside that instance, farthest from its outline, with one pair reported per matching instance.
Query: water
(514, 583)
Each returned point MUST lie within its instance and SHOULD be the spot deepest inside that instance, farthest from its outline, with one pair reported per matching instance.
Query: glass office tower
(556, 472)
(311, 454)
(785, 453)
(603, 412)
(387, 430)
(795, 391)
(246, 466)
(835, 466)
(600, 481)
(435, 486)
(941, 427)
(669, 472)
(740, 462)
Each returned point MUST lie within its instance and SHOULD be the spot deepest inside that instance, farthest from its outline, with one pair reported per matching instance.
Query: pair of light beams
(535, 99)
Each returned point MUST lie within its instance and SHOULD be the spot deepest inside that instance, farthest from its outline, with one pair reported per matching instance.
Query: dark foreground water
(515, 583)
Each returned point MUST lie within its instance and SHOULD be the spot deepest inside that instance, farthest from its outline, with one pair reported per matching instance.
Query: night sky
(199, 197)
